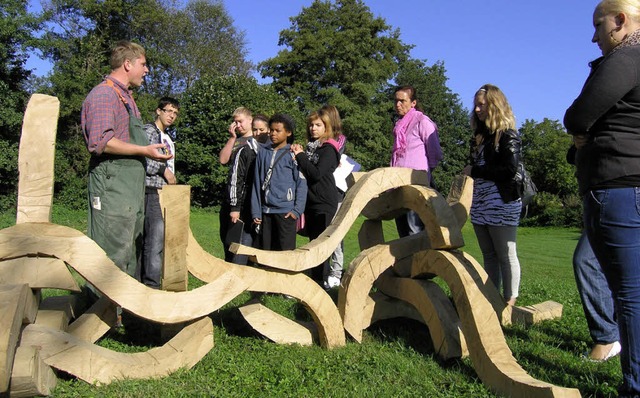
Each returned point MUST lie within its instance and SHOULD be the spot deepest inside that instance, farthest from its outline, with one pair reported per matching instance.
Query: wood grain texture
(488, 350)
(99, 365)
(91, 262)
(35, 159)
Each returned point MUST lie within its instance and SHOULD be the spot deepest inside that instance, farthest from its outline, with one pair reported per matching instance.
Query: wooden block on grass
(56, 312)
(536, 313)
(12, 305)
(275, 327)
(30, 375)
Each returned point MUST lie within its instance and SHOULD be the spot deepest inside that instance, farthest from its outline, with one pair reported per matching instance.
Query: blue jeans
(153, 252)
(612, 222)
(595, 294)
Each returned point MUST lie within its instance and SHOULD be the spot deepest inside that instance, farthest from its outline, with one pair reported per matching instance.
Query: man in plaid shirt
(118, 146)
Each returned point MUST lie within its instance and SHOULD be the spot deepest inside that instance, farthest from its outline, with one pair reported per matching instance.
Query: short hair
(413, 95)
(334, 116)
(288, 123)
(325, 119)
(242, 111)
(125, 50)
(630, 7)
(164, 101)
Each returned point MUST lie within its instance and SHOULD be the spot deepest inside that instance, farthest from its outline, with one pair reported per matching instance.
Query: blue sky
(536, 51)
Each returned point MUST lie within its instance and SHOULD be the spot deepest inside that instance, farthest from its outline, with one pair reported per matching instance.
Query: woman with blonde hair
(605, 123)
(497, 188)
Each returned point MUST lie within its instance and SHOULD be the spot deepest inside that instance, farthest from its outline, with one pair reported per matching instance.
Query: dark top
(608, 112)
(501, 164)
(322, 194)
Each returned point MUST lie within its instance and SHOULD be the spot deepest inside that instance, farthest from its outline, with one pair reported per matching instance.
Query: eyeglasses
(170, 112)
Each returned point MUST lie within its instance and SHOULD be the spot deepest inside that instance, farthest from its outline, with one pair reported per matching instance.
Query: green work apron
(116, 202)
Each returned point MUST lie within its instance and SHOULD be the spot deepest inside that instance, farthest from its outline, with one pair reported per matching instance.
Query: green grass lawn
(396, 357)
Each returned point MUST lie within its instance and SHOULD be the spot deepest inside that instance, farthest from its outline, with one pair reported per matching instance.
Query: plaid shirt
(104, 116)
(155, 169)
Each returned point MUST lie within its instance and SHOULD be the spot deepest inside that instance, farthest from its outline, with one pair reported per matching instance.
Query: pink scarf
(400, 131)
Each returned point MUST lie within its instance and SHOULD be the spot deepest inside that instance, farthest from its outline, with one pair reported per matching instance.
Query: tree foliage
(182, 45)
(339, 53)
(545, 146)
(206, 110)
(189, 43)
(16, 37)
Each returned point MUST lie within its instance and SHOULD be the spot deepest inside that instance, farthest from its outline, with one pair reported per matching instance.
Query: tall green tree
(545, 146)
(183, 43)
(445, 109)
(339, 53)
(189, 43)
(206, 110)
(17, 27)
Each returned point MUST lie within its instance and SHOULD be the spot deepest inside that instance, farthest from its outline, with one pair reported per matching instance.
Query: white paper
(346, 167)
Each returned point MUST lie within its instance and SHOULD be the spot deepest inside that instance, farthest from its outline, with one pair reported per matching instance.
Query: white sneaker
(331, 282)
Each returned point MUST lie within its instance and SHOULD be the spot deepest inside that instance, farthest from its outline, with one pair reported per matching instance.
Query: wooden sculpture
(37, 336)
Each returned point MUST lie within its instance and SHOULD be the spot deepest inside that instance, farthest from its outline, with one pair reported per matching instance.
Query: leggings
(498, 245)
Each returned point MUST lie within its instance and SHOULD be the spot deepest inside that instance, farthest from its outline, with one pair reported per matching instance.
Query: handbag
(526, 187)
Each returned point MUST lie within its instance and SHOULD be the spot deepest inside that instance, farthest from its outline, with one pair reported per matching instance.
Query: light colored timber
(276, 327)
(102, 366)
(95, 322)
(379, 306)
(12, 306)
(358, 280)
(30, 376)
(174, 201)
(536, 313)
(370, 234)
(56, 311)
(477, 272)
(440, 222)
(91, 262)
(436, 309)
(488, 350)
(460, 197)
(35, 159)
(318, 303)
(38, 272)
(368, 187)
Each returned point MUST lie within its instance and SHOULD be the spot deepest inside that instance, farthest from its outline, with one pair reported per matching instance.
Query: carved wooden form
(35, 254)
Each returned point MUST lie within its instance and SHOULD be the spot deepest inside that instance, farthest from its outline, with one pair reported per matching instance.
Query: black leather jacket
(502, 164)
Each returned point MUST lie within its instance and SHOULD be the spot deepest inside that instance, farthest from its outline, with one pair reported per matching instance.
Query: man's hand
(232, 130)
(169, 176)
(467, 171)
(153, 151)
(235, 216)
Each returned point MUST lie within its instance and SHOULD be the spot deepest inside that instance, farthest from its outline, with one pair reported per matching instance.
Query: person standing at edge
(496, 151)
(605, 123)
(236, 191)
(416, 146)
(118, 146)
(158, 174)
